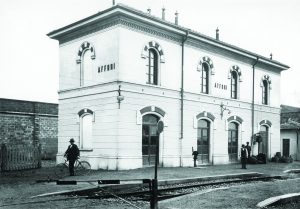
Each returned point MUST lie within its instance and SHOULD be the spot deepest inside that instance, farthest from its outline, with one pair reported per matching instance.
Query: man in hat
(243, 156)
(72, 154)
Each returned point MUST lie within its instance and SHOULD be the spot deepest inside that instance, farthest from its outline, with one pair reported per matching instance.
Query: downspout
(252, 106)
(181, 93)
(298, 149)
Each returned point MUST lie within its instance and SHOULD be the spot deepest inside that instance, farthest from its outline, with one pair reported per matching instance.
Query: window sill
(86, 149)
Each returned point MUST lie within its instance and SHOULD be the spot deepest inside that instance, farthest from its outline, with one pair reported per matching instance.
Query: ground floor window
(86, 130)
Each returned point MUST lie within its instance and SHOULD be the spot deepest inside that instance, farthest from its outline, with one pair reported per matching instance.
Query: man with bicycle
(72, 154)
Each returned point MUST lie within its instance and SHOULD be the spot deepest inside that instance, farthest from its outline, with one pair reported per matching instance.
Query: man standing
(248, 148)
(72, 153)
(243, 156)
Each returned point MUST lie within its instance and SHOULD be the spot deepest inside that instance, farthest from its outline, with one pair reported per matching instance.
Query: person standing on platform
(248, 148)
(243, 156)
(72, 154)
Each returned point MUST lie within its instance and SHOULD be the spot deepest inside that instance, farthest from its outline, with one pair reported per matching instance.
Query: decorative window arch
(235, 118)
(266, 123)
(266, 87)
(86, 119)
(209, 62)
(83, 47)
(157, 47)
(151, 110)
(206, 69)
(205, 116)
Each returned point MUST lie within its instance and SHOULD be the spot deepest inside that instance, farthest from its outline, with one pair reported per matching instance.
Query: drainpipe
(252, 106)
(298, 149)
(182, 92)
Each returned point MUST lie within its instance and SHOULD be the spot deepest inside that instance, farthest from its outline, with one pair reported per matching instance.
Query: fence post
(3, 157)
(39, 156)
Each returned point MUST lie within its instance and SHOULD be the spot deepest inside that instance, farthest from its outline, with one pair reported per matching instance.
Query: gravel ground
(16, 188)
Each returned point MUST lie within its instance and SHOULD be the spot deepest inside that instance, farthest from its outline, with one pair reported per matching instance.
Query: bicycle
(80, 168)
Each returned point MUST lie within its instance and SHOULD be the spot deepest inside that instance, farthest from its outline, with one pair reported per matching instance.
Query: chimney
(217, 34)
(149, 11)
(163, 13)
(114, 2)
(176, 18)
(271, 56)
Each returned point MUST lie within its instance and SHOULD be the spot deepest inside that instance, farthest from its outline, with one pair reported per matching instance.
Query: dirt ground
(17, 189)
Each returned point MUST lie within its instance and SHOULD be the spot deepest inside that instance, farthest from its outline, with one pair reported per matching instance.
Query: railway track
(175, 190)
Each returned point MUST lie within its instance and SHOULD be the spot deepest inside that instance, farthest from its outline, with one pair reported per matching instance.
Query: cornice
(138, 20)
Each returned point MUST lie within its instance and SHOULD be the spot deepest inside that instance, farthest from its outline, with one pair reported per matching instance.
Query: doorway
(150, 139)
(286, 147)
(233, 142)
(203, 141)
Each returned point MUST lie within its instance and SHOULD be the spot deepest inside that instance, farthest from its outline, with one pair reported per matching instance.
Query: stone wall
(26, 122)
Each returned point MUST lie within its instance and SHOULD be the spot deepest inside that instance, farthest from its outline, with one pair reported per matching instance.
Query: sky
(29, 59)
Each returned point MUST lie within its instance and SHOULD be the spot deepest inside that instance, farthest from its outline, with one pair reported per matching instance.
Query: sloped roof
(289, 109)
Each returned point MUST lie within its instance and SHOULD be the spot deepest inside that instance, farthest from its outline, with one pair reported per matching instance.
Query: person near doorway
(72, 154)
(243, 156)
(248, 148)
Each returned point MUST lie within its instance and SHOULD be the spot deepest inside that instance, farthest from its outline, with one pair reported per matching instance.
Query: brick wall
(26, 122)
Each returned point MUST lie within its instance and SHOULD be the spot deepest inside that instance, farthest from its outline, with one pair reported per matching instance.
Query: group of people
(245, 154)
(72, 154)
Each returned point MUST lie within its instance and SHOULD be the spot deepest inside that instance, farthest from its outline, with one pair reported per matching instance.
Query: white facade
(104, 94)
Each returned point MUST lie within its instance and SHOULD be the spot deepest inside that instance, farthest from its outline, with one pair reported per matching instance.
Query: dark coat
(72, 153)
(243, 153)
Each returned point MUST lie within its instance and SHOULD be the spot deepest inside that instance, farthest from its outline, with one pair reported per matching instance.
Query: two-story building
(123, 70)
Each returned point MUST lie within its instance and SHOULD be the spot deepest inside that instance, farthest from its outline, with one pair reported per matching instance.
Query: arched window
(85, 55)
(203, 138)
(266, 87)
(233, 141)
(154, 55)
(152, 73)
(265, 94)
(86, 128)
(234, 84)
(204, 78)
(86, 68)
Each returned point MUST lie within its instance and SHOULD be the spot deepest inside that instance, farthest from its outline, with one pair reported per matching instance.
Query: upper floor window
(152, 73)
(233, 85)
(154, 55)
(204, 78)
(206, 69)
(265, 94)
(266, 87)
(235, 77)
(85, 55)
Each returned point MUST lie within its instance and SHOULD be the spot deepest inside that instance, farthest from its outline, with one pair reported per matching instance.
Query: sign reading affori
(160, 126)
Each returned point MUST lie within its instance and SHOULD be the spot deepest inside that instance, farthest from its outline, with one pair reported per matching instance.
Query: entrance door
(233, 142)
(286, 147)
(263, 145)
(150, 139)
(203, 141)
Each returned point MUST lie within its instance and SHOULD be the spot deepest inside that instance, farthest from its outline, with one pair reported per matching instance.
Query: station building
(123, 70)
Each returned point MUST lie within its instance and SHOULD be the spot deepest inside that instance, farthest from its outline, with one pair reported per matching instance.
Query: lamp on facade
(223, 108)
(120, 97)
